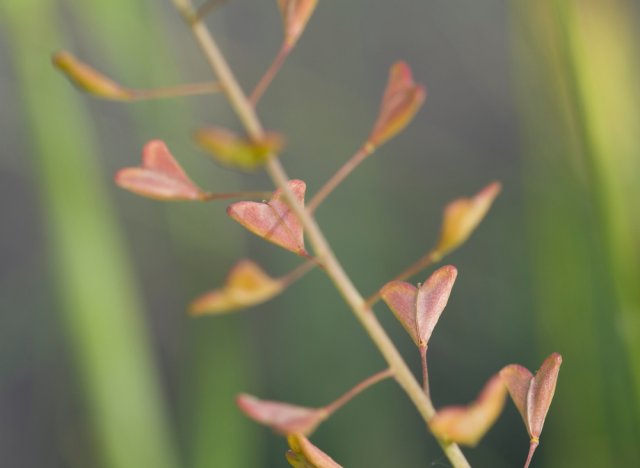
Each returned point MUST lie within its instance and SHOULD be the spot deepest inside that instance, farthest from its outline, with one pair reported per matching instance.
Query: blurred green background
(99, 365)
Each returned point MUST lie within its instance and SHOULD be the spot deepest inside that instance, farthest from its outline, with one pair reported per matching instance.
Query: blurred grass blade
(93, 277)
(605, 53)
(140, 44)
(576, 66)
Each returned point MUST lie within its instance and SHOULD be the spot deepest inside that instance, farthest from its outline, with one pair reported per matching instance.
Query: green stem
(246, 114)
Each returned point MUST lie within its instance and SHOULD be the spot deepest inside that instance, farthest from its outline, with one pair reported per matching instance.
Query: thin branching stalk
(413, 269)
(298, 272)
(269, 75)
(207, 7)
(323, 251)
(532, 448)
(358, 389)
(230, 195)
(192, 89)
(425, 371)
(339, 176)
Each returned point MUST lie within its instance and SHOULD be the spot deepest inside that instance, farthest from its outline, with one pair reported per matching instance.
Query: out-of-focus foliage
(99, 305)
(576, 66)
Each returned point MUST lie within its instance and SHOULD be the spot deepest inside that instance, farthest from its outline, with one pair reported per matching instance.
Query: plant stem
(336, 273)
(270, 74)
(428, 260)
(192, 89)
(359, 388)
(339, 176)
(225, 196)
(206, 8)
(532, 448)
(298, 272)
(425, 371)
